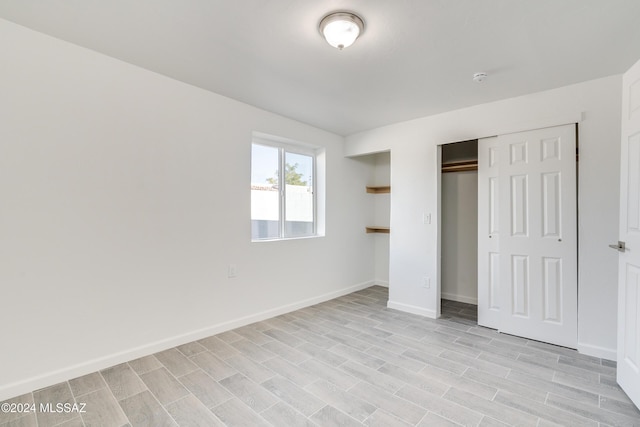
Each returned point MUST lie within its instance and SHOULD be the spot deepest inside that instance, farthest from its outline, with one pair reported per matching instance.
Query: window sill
(280, 239)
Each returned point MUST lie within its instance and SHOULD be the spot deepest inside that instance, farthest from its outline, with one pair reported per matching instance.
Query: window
(283, 196)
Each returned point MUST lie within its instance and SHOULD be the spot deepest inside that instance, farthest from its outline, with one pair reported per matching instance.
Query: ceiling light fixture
(341, 29)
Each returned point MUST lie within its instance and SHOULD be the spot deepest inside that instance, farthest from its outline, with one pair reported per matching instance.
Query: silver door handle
(620, 247)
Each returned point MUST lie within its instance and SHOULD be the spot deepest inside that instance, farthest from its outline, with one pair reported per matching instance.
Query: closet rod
(467, 165)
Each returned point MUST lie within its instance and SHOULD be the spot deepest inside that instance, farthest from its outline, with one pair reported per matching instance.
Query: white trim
(597, 351)
(18, 388)
(407, 308)
(459, 298)
(381, 283)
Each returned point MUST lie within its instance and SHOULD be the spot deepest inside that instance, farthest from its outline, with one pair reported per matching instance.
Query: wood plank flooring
(346, 362)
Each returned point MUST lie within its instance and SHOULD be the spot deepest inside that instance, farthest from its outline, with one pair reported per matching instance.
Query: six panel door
(628, 374)
(530, 202)
(489, 297)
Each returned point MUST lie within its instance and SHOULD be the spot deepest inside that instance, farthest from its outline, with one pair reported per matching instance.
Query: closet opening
(508, 233)
(459, 229)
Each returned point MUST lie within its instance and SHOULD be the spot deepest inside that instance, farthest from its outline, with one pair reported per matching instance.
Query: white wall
(459, 246)
(125, 196)
(596, 105)
(265, 203)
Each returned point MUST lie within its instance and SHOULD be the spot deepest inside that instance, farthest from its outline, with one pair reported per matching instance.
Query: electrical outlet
(233, 271)
(426, 282)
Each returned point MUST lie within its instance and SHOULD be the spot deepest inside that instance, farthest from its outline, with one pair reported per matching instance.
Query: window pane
(298, 195)
(265, 198)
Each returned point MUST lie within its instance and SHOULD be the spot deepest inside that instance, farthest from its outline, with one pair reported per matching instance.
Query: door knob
(620, 247)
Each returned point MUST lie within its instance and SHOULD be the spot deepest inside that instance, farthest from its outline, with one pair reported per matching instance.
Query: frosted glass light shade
(341, 29)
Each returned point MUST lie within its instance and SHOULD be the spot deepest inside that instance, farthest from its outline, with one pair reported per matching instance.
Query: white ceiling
(415, 58)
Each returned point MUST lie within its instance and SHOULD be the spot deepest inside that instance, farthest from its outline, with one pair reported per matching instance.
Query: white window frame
(287, 146)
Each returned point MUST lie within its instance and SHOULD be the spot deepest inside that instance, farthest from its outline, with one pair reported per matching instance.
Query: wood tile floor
(347, 362)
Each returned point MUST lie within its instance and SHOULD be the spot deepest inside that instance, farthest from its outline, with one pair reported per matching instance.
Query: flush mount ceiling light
(341, 29)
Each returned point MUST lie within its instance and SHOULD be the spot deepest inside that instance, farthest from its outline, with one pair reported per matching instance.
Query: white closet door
(489, 297)
(629, 258)
(530, 273)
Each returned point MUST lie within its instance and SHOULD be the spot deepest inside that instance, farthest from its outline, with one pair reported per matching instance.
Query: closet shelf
(379, 189)
(376, 229)
(467, 165)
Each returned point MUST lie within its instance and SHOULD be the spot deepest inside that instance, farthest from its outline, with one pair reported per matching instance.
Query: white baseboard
(459, 298)
(597, 351)
(412, 309)
(27, 385)
(381, 283)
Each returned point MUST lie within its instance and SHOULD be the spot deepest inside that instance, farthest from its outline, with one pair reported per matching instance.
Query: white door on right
(628, 375)
(527, 265)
